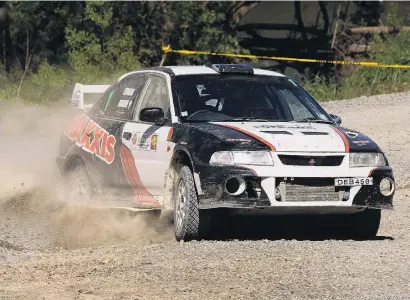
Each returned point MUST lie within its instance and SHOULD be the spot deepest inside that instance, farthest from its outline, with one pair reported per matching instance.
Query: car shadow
(301, 228)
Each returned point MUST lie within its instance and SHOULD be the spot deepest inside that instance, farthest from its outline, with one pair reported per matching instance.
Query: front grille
(323, 161)
(303, 193)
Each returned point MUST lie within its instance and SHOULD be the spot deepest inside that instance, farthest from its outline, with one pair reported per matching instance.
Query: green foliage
(393, 17)
(98, 48)
(321, 89)
(43, 86)
(372, 80)
(40, 25)
(204, 28)
(95, 41)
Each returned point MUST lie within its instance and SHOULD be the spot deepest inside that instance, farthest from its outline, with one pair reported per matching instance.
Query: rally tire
(364, 225)
(186, 213)
(78, 187)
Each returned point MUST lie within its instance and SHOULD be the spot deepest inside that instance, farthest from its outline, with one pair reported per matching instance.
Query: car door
(111, 115)
(148, 142)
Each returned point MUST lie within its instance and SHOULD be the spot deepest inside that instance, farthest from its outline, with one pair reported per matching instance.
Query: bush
(368, 81)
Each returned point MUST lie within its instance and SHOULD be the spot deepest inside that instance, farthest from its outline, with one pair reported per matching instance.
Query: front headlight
(367, 160)
(241, 158)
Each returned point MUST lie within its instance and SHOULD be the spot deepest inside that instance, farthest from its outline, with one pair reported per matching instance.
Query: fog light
(386, 186)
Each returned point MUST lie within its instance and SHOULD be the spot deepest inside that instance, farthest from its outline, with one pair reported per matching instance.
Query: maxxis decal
(92, 138)
(133, 178)
(252, 135)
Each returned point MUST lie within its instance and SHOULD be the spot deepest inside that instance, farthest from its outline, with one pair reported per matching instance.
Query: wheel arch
(72, 162)
(180, 158)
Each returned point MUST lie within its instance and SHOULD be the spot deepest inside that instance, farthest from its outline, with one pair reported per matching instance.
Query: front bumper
(314, 191)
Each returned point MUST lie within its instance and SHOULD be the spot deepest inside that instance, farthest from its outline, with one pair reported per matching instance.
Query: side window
(98, 109)
(155, 95)
(121, 100)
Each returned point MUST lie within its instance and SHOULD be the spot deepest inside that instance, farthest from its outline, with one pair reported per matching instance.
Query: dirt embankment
(54, 250)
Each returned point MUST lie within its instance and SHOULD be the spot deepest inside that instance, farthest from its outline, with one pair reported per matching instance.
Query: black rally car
(190, 139)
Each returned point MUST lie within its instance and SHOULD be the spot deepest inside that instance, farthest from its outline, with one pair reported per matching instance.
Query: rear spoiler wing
(77, 98)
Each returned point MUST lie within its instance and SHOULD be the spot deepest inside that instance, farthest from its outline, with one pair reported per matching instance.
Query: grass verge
(52, 83)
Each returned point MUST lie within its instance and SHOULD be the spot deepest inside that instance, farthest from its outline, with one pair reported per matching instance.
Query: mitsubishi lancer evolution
(186, 140)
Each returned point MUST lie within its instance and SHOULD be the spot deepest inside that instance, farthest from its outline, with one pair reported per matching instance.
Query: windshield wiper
(313, 119)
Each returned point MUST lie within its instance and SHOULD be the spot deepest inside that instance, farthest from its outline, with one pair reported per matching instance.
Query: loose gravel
(52, 251)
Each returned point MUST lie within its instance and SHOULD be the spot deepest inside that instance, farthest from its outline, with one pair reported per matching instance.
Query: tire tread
(192, 219)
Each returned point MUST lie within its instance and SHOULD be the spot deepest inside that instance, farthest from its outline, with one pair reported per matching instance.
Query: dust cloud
(33, 213)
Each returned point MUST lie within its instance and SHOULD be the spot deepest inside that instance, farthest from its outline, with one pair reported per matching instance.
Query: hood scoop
(314, 133)
(277, 132)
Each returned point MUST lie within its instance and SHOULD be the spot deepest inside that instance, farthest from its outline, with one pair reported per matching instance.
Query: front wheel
(186, 213)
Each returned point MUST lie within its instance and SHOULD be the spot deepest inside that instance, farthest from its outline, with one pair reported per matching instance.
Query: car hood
(301, 137)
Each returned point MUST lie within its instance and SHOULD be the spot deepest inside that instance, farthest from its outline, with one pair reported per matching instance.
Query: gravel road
(49, 250)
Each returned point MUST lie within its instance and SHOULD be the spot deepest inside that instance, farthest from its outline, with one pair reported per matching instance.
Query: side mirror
(152, 115)
(337, 119)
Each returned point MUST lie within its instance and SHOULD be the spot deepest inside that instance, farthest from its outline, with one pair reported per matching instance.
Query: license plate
(353, 181)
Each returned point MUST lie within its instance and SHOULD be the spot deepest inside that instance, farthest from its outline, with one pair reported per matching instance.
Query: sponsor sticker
(285, 126)
(128, 92)
(123, 103)
(351, 134)
(92, 138)
(147, 144)
(75, 99)
(361, 143)
(154, 142)
(144, 145)
(134, 139)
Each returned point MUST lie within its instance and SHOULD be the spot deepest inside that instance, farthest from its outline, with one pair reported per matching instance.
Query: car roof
(196, 70)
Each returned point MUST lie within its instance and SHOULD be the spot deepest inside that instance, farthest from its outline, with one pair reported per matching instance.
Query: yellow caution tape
(167, 49)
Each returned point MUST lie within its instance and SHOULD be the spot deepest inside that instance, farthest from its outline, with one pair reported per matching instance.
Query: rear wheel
(187, 221)
(77, 186)
(363, 225)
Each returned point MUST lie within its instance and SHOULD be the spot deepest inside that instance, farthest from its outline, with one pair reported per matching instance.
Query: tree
(99, 43)
(38, 28)
(207, 27)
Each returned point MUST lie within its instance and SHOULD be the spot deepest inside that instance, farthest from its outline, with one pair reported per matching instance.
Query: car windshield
(205, 98)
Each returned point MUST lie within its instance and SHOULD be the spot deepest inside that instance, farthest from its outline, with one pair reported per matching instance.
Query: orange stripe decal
(170, 132)
(252, 135)
(345, 141)
(133, 178)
